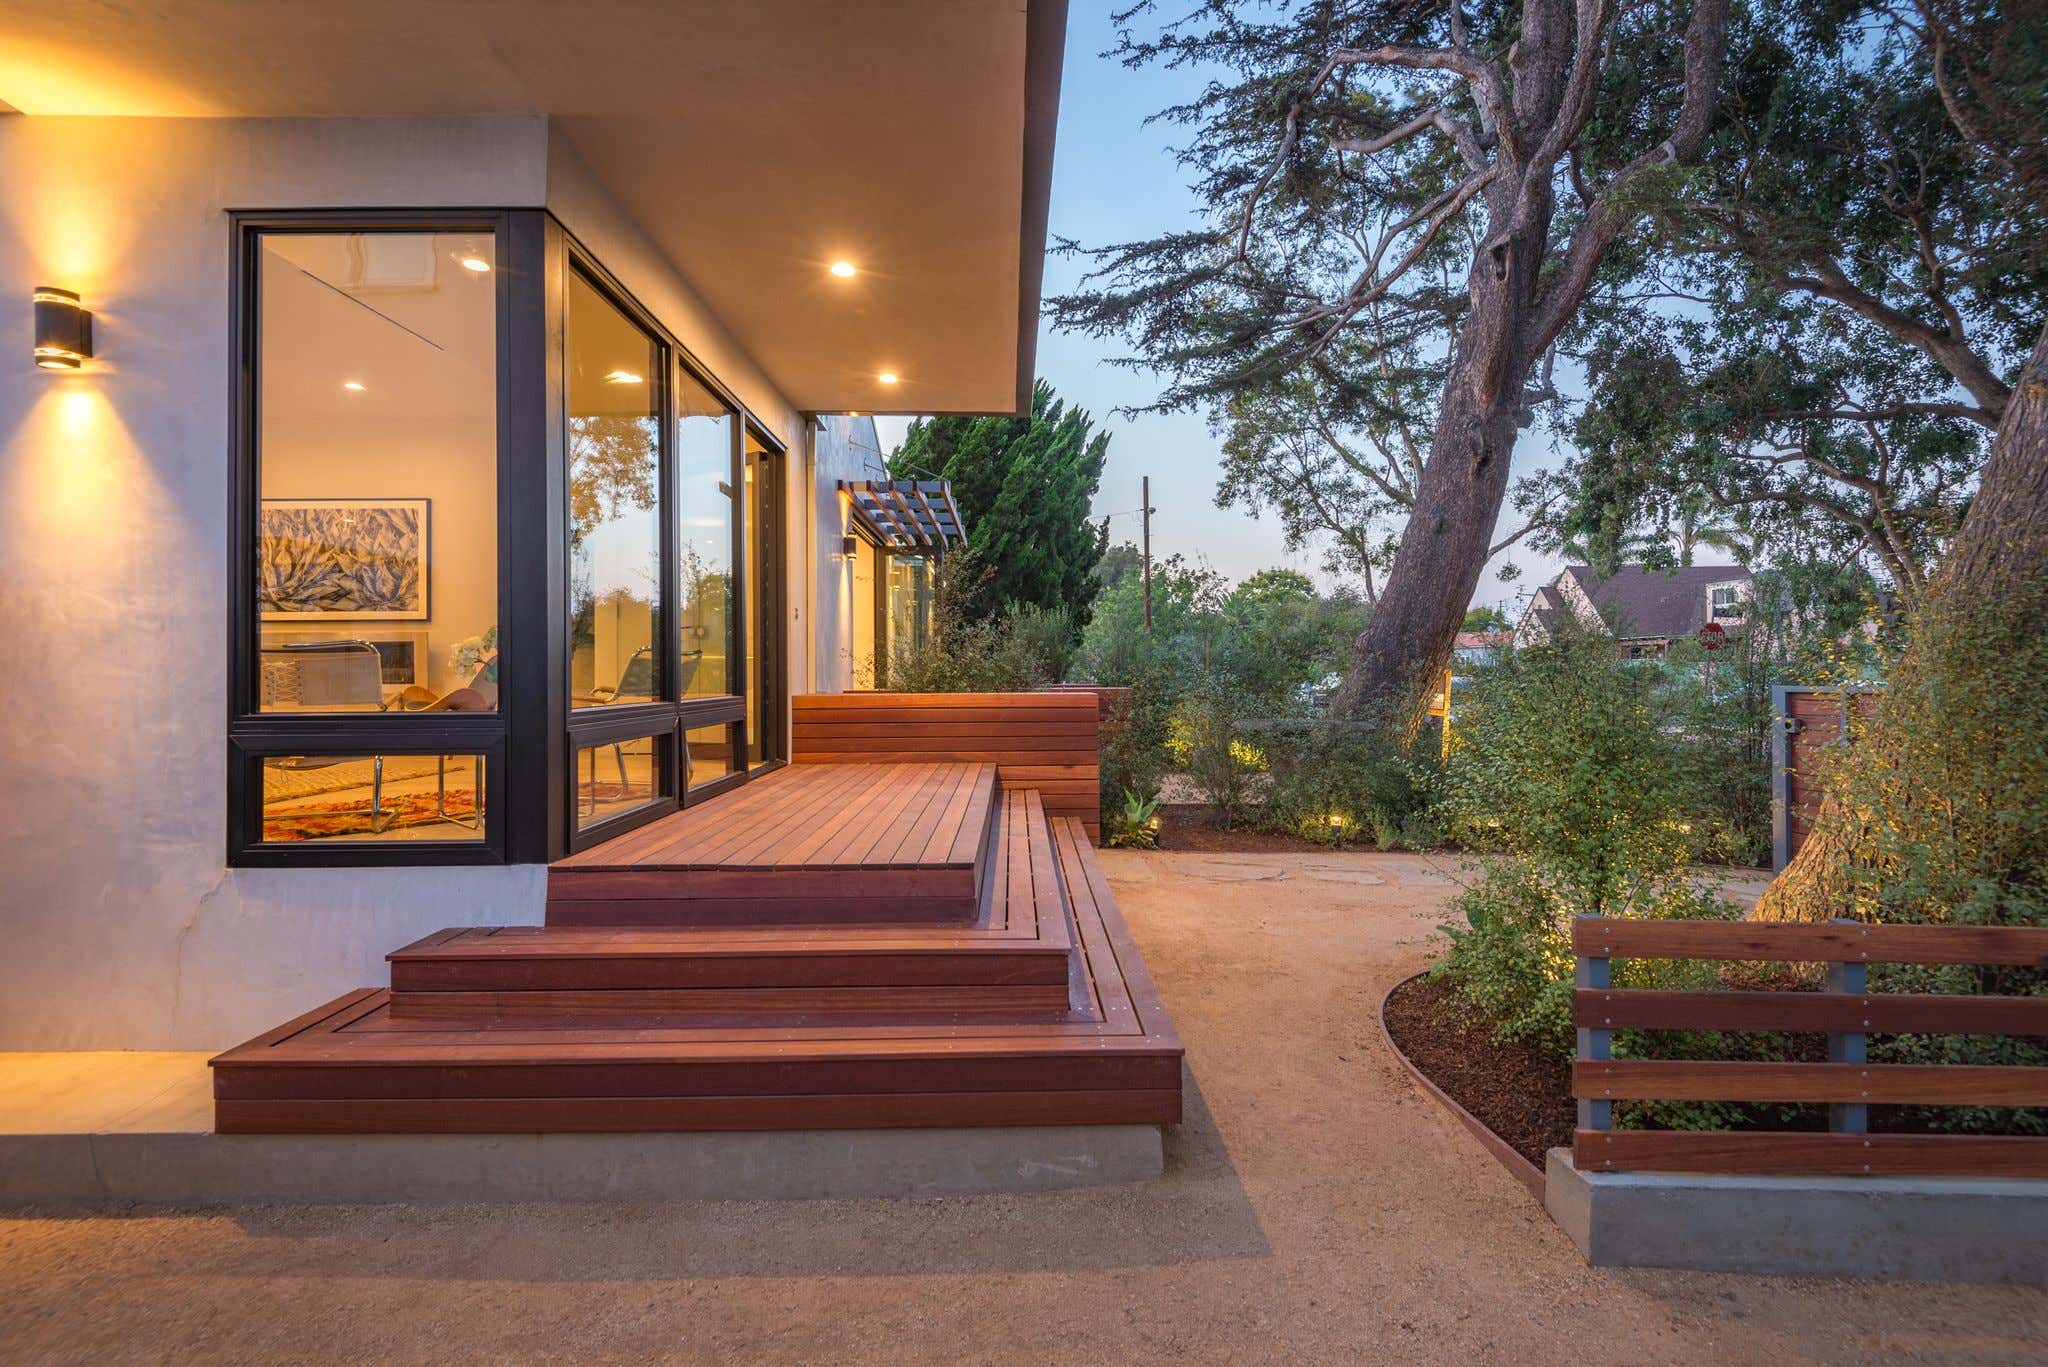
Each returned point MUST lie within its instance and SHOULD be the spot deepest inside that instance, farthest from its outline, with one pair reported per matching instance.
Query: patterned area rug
(353, 818)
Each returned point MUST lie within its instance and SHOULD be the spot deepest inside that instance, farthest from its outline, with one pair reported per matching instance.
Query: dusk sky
(1115, 180)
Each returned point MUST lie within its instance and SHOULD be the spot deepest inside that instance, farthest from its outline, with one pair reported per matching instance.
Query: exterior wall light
(849, 546)
(63, 329)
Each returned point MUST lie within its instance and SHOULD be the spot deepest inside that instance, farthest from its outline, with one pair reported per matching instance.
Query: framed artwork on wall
(342, 559)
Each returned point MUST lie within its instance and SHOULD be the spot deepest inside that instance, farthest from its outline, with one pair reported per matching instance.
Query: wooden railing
(1048, 741)
(1848, 1083)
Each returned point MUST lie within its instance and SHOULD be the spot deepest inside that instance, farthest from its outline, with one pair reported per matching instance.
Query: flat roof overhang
(755, 143)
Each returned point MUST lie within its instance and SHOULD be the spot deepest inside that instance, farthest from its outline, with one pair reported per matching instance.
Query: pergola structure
(908, 514)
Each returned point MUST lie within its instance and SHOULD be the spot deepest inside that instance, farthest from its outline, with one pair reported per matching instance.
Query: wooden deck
(884, 842)
(397, 1061)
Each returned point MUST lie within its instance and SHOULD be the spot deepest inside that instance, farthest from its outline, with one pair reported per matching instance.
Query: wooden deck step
(1110, 1056)
(809, 844)
(1014, 958)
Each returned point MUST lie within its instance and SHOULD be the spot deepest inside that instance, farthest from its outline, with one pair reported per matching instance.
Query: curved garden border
(1525, 1172)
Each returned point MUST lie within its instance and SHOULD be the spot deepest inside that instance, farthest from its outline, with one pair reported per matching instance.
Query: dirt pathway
(1316, 1209)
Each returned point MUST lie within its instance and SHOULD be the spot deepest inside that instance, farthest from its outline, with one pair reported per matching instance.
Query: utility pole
(1145, 497)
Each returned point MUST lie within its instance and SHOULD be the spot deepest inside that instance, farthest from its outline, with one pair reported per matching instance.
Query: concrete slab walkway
(1316, 1209)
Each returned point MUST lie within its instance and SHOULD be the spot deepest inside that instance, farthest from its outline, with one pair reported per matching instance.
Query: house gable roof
(1639, 603)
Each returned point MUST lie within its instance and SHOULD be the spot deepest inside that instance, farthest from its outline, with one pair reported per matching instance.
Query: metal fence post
(1848, 1046)
(1595, 974)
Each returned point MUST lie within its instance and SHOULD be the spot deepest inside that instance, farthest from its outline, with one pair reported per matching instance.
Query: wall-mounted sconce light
(849, 546)
(63, 329)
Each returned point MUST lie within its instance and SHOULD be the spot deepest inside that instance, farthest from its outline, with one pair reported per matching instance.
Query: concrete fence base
(1934, 1229)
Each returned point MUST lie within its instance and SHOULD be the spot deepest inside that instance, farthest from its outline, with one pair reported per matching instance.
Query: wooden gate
(1806, 720)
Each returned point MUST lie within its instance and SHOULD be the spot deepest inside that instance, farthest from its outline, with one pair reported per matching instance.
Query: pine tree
(1023, 485)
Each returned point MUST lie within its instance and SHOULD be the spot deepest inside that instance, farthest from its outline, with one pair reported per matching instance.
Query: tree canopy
(1820, 338)
(1023, 485)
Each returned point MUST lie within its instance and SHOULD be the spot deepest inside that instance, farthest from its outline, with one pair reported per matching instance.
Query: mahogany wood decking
(907, 1055)
(882, 842)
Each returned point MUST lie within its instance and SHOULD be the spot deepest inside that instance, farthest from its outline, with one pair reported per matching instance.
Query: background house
(1643, 609)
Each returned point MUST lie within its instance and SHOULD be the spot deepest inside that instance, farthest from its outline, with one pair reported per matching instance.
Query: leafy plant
(1563, 771)
(1136, 825)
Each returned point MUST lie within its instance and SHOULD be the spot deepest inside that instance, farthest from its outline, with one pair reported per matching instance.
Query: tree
(1023, 486)
(1823, 342)
(1488, 618)
(1415, 184)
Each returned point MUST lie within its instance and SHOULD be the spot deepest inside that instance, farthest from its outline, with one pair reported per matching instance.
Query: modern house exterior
(1645, 610)
(471, 466)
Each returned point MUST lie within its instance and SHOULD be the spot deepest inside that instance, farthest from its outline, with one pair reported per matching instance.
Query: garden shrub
(1206, 740)
(1563, 773)
(1940, 806)
(1343, 784)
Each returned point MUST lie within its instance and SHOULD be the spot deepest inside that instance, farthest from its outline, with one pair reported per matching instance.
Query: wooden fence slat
(1860, 1083)
(1815, 1012)
(1783, 1153)
(1608, 938)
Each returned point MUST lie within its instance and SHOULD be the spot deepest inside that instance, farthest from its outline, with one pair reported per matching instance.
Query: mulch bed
(1523, 1095)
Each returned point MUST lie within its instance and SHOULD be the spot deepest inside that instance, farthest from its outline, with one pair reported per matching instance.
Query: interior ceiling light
(354, 386)
(888, 377)
(622, 377)
(474, 263)
(843, 269)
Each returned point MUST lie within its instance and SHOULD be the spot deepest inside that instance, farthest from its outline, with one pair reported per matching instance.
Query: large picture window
(615, 534)
(377, 471)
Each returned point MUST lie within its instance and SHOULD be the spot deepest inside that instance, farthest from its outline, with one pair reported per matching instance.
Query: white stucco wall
(846, 448)
(123, 927)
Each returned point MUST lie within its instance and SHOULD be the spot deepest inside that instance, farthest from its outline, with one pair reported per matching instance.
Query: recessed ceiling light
(474, 263)
(354, 386)
(622, 377)
(843, 269)
(887, 377)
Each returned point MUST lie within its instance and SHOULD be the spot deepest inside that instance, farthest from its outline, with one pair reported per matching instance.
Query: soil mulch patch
(1524, 1095)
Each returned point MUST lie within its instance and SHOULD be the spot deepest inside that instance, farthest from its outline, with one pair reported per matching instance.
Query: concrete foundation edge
(68, 1172)
(1949, 1229)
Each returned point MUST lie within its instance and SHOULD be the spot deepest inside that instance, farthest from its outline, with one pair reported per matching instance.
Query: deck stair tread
(838, 843)
(1109, 1055)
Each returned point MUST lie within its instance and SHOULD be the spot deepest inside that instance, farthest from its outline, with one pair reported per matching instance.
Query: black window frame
(253, 734)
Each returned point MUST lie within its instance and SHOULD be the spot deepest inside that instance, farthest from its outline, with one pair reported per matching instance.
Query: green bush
(1562, 773)
(1019, 650)
(1342, 784)
(1940, 804)
(1206, 740)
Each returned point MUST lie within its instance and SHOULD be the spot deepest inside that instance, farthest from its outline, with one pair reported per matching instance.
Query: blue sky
(1115, 179)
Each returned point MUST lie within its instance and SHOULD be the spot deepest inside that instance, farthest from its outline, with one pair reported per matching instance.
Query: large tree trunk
(2000, 557)
(1464, 482)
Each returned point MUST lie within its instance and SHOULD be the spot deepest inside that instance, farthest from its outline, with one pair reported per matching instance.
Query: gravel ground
(1316, 1208)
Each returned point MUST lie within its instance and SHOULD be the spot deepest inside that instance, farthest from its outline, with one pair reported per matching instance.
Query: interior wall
(123, 927)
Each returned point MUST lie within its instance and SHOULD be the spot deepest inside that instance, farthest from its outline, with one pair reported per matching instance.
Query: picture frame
(343, 559)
